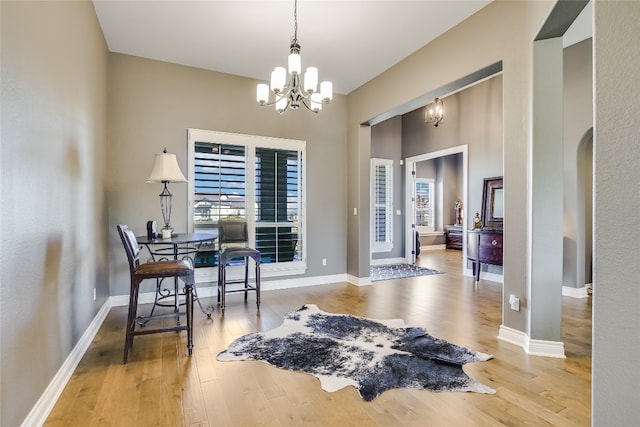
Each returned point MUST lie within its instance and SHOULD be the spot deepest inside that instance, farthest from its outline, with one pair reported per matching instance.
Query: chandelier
(435, 112)
(292, 94)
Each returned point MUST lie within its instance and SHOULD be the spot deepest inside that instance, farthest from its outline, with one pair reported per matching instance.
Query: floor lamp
(166, 170)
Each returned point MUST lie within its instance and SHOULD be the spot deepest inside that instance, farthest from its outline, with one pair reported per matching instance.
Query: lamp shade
(166, 169)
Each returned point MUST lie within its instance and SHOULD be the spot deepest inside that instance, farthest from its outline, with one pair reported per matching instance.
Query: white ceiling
(350, 41)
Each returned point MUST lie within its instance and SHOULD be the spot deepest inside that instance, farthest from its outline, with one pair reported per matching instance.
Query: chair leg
(222, 286)
(246, 278)
(189, 308)
(258, 285)
(131, 320)
(219, 278)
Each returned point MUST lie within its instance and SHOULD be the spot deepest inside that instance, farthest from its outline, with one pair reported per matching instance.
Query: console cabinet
(484, 247)
(454, 236)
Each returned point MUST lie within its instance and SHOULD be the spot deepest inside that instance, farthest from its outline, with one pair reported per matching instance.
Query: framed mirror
(492, 203)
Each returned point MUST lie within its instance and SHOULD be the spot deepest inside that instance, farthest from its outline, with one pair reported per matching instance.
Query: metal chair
(182, 269)
(235, 232)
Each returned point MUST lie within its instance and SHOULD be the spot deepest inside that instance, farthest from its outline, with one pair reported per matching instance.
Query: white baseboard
(41, 410)
(492, 277)
(265, 285)
(386, 261)
(531, 346)
(433, 247)
(546, 348)
(568, 291)
(358, 281)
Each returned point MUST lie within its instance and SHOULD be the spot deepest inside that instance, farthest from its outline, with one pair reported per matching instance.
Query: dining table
(179, 246)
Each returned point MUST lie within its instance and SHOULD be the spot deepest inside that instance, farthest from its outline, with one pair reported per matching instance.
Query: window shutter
(220, 188)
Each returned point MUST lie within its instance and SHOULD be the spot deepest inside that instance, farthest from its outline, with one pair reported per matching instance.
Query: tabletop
(178, 239)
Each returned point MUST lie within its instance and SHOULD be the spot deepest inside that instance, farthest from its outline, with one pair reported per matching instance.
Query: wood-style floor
(161, 386)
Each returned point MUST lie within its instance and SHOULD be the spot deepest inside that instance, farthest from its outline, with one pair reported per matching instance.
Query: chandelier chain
(295, 22)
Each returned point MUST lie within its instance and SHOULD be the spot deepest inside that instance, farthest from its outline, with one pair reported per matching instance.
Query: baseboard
(513, 336)
(546, 348)
(492, 277)
(568, 291)
(433, 247)
(359, 281)
(531, 346)
(265, 285)
(41, 410)
(386, 261)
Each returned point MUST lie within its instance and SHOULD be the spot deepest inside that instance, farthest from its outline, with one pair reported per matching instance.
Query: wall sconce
(435, 112)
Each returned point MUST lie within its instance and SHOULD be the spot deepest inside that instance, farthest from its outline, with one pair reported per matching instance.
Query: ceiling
(350, 41)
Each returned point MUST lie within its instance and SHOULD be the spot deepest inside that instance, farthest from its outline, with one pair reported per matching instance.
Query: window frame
(251, 143)
(387, 244)
(432, 196)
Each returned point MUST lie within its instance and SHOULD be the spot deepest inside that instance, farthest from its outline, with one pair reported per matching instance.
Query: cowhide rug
(371, 355)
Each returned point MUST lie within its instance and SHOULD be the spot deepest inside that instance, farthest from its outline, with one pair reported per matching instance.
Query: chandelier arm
(304, 102)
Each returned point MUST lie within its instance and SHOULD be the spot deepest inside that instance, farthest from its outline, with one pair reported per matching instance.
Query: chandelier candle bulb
(262, 95)
(326, 90)
(311, 80)
(316, 102)
(278, 79)
(281, 104)
(295, 64)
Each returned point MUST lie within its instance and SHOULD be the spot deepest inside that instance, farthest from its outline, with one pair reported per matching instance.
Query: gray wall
(616, 318)
(474, 117)
(53, 207)
(386, 143)
(151, 106)
(578, 146)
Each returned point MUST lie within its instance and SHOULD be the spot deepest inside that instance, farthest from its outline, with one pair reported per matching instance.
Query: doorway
(410, 197)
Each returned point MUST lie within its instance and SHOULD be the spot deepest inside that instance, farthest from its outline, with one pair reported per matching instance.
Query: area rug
(399, 271)
(371, 355)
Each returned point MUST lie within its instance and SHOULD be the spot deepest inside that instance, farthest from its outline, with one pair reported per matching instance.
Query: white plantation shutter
(382, 205)
(425, 199)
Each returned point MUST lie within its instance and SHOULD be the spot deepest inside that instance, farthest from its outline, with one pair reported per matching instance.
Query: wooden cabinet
(454, 236)
(484, 247)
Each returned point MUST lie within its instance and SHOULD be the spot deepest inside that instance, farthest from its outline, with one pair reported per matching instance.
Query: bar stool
(236, 232)
(182, 269)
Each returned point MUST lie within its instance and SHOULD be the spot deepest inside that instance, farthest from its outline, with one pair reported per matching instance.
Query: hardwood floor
(161, 386)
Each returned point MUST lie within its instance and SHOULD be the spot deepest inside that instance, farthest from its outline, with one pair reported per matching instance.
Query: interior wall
(578, 120)
(386, 143)
(502, 32)
(452, 188)
(53, 207)
(151, 106)
(616, 319)
(473, 117)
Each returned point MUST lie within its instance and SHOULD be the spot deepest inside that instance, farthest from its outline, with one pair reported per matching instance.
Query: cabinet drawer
(490, 248)
(491, 240)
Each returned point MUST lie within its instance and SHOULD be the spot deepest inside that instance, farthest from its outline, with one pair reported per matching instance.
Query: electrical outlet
(324, 261)
(514, 302)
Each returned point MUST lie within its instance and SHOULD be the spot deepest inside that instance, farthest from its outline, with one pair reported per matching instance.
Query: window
(278, 179)
(424, 198)
(255, 178)
(381, 205)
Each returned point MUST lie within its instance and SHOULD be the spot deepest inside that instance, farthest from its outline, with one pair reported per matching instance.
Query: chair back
(232, 232)
(131, 246)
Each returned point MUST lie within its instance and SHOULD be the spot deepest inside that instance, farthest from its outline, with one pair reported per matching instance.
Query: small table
(179, 246)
